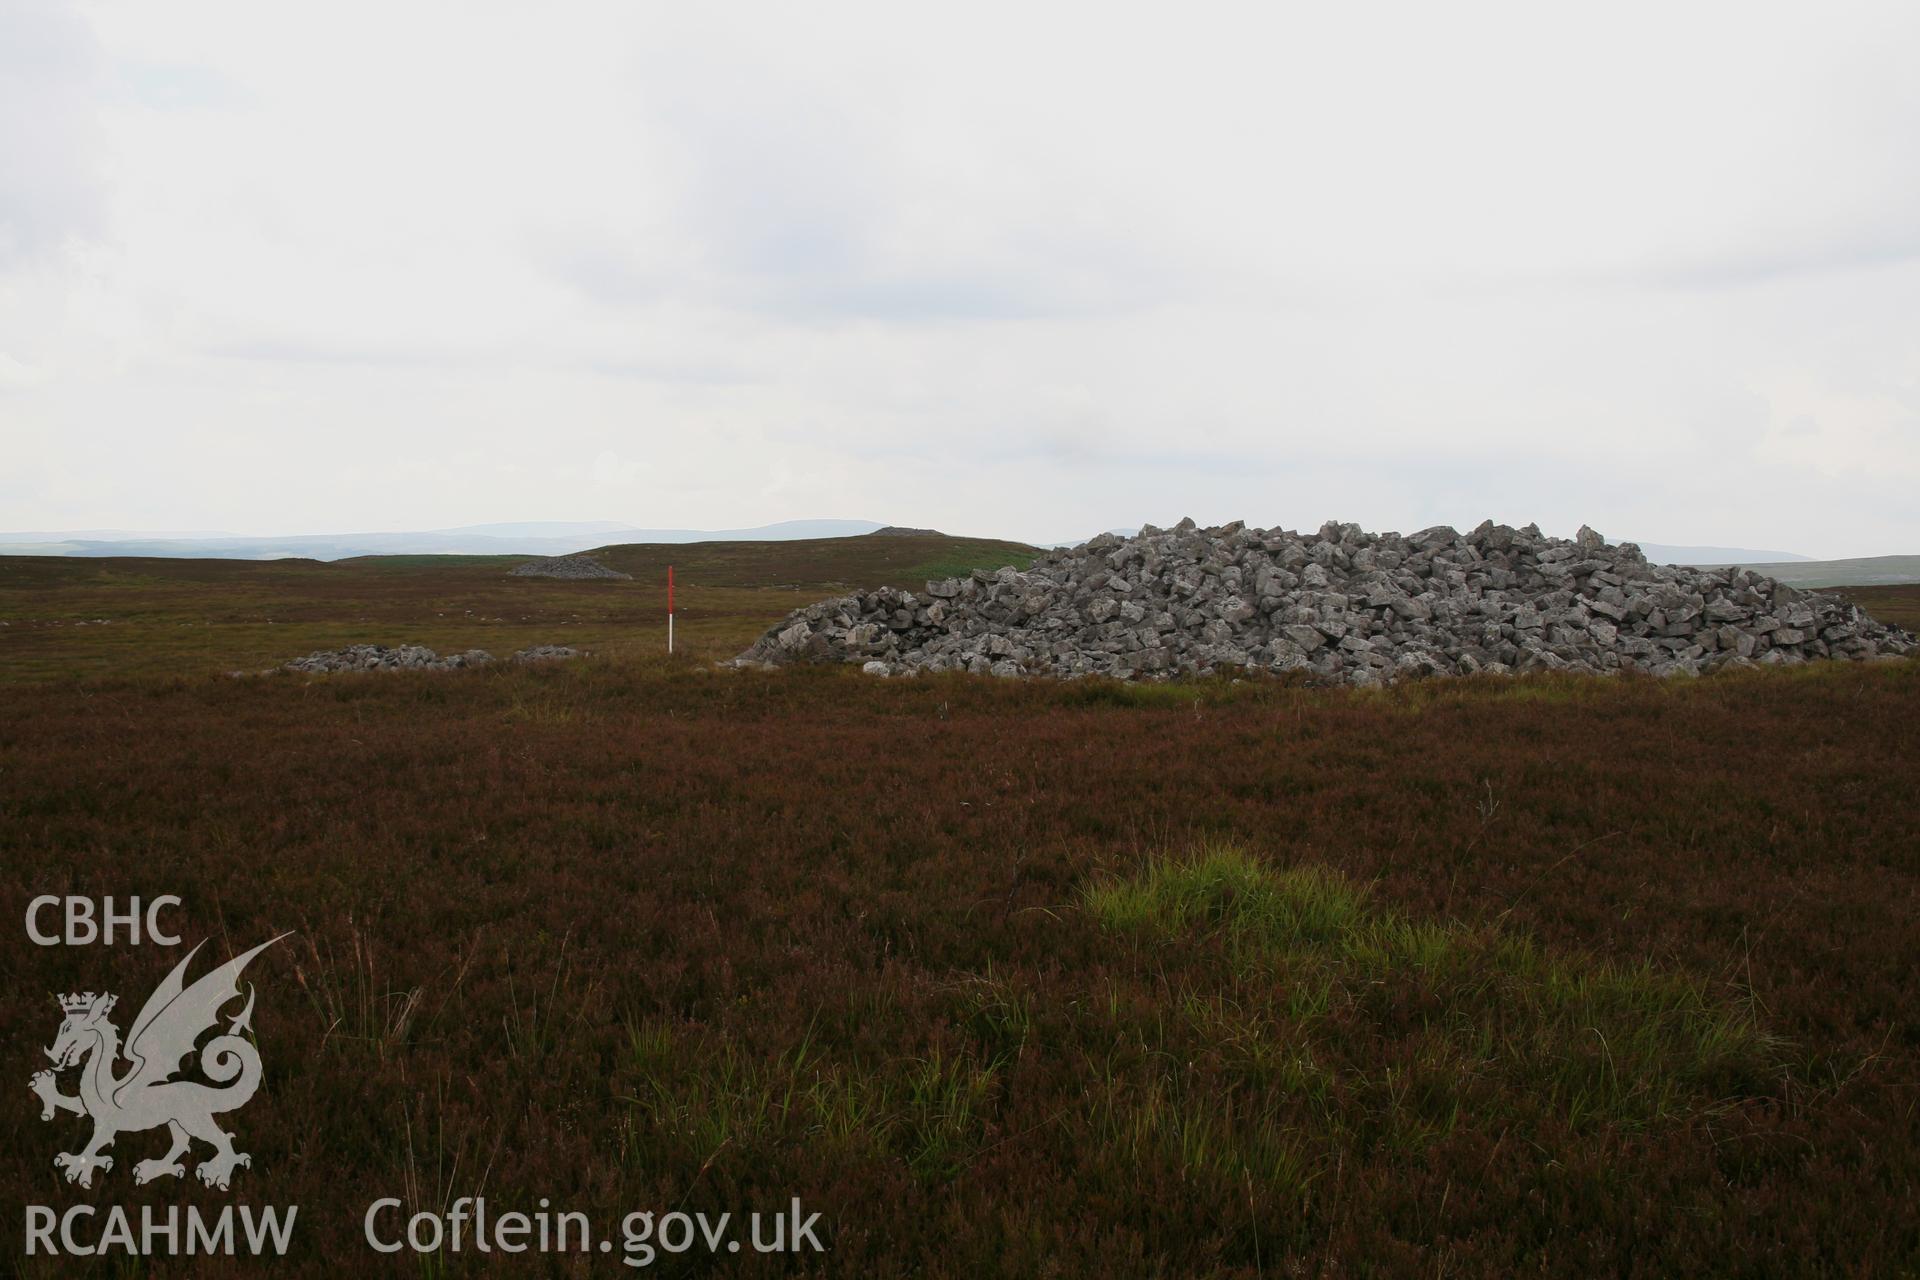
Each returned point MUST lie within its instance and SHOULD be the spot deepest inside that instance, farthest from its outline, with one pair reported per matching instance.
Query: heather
(1554, 975)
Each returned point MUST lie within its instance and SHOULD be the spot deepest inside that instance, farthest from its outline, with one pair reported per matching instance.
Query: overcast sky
(1027, 270)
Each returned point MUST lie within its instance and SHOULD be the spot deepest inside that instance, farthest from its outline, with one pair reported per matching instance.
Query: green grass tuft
(1628, 1046)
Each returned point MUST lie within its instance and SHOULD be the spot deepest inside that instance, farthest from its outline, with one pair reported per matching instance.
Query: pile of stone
(1340, 605)
(414, 657)
(573, 568)
(544, 653)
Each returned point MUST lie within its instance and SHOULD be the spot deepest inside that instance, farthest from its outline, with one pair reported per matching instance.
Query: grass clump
(1225, 888)
(700, 1095)
(1596, 1043)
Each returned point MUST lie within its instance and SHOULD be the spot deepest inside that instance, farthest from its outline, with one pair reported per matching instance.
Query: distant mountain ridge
(544, 538)
(1714, 557)
(1863, 571)
(565, 537)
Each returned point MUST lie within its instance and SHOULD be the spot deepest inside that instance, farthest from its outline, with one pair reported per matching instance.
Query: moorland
(1545, 975)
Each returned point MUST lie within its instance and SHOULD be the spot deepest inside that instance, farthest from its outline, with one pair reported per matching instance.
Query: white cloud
(1030, 270)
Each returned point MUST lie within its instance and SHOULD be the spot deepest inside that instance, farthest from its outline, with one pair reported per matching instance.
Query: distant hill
(905, 560)
(544, 538)
(559, 538)
(1713, 557)
(823, 566)
(1867, 571)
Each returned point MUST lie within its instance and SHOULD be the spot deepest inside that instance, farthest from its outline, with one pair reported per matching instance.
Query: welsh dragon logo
(145, 1096)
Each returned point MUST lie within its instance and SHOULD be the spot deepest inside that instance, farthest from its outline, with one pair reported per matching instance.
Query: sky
(1024, 270)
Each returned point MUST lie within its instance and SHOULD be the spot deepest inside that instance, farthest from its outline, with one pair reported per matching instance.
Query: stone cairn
(414, 657)
(1340, 606)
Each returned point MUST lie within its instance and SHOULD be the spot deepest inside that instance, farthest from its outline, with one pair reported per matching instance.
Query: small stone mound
(901, 531)
(414, 657)
(380, 657)
(1339, 606)
(545, 653)
(573, 568)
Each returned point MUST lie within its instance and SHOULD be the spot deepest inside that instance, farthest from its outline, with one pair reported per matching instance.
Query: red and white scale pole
(669, 608)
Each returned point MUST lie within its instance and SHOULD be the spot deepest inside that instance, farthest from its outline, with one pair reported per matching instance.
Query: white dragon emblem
(144, 1097)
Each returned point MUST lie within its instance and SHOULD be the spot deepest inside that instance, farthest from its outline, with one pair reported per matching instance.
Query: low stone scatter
(570, 567)
(903, 531)
(1340, 606)
(415, 657)
(544, 653)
